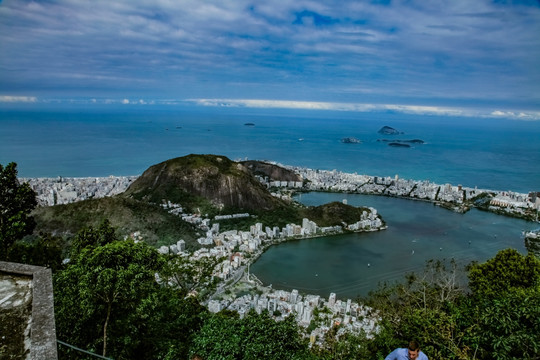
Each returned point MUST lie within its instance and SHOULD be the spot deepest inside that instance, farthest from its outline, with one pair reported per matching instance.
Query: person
(412, 352)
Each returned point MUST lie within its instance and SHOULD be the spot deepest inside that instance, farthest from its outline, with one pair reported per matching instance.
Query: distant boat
(249, 124)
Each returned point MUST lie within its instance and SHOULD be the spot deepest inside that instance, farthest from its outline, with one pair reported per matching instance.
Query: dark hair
(413, 345)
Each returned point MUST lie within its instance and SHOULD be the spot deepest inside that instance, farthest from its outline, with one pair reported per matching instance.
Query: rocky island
(398, 144)
(387, 130)
(413, 141)
(350, 140)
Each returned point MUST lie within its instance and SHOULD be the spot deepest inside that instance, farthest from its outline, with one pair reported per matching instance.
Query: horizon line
(451, 111)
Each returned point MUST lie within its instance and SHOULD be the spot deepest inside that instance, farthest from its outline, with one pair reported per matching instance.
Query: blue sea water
(488, 153)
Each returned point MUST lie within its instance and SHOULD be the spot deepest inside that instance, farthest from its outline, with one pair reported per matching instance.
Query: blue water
(488, 153)
(353, 264)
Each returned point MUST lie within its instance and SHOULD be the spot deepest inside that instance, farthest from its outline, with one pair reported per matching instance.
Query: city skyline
(458, 59)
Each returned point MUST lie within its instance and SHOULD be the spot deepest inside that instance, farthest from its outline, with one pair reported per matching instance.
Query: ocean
(488, 153)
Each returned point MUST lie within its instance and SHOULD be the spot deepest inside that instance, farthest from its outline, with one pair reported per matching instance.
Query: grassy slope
(156, 225)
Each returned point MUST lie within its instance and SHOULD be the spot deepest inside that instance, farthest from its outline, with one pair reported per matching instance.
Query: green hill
(156, 226)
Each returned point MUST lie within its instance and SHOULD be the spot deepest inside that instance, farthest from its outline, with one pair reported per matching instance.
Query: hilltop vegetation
(155, 225)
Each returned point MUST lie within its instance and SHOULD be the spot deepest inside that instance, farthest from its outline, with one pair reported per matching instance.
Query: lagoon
(351, 265)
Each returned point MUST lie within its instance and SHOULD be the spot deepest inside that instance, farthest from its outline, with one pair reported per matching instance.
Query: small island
(413, 141)
(249, 124)
(350, 140)
(398, 144)
(387, 130)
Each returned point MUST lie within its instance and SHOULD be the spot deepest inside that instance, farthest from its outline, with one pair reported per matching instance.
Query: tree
(16, 202)
(506, 272)
(503, 328)
(90, 237)
(257, 336)
(98, 297)
(421, 308)
(503, 312)
(191, 275)
(45, 250)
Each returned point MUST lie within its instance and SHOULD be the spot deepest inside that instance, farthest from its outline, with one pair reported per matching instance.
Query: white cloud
(363, 107)
(518, 115)
(8, 98)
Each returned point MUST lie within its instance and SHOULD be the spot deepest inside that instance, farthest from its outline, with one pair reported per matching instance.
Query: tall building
(294, 296)
(332, 299)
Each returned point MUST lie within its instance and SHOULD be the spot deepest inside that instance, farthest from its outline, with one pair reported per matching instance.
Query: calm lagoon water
(353, 264)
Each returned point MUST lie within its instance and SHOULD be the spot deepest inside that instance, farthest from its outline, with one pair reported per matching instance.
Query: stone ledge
(43, 329)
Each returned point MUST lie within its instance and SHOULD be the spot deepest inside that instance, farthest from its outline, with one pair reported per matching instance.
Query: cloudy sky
(441, 56)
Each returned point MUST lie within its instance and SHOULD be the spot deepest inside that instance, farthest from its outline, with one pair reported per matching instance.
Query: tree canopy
(16, 202)
(257, 336)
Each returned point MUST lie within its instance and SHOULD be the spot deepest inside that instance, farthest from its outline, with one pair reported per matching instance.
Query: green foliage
(45, 250)
(100, 296)
(508, 271)
(343, 347)
(507, 327)
(421, 308)
(172, 321)
(254, 337)
(89, 237)
(16, 202)
(191, 275)
(155, 224)
(500, 319)
(333, 214)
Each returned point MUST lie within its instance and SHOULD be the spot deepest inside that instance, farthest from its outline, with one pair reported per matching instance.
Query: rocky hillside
(273, 172)
(203, 181)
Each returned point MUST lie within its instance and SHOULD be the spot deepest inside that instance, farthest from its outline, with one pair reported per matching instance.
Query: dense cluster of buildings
(333, 180)
(312, 311)
(513, 201)
(60, 190)
(237, 249)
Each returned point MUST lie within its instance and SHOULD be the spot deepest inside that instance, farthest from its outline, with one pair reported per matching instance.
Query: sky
(459, 57)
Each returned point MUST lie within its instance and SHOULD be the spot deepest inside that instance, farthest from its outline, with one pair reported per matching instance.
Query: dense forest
(115, 298)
